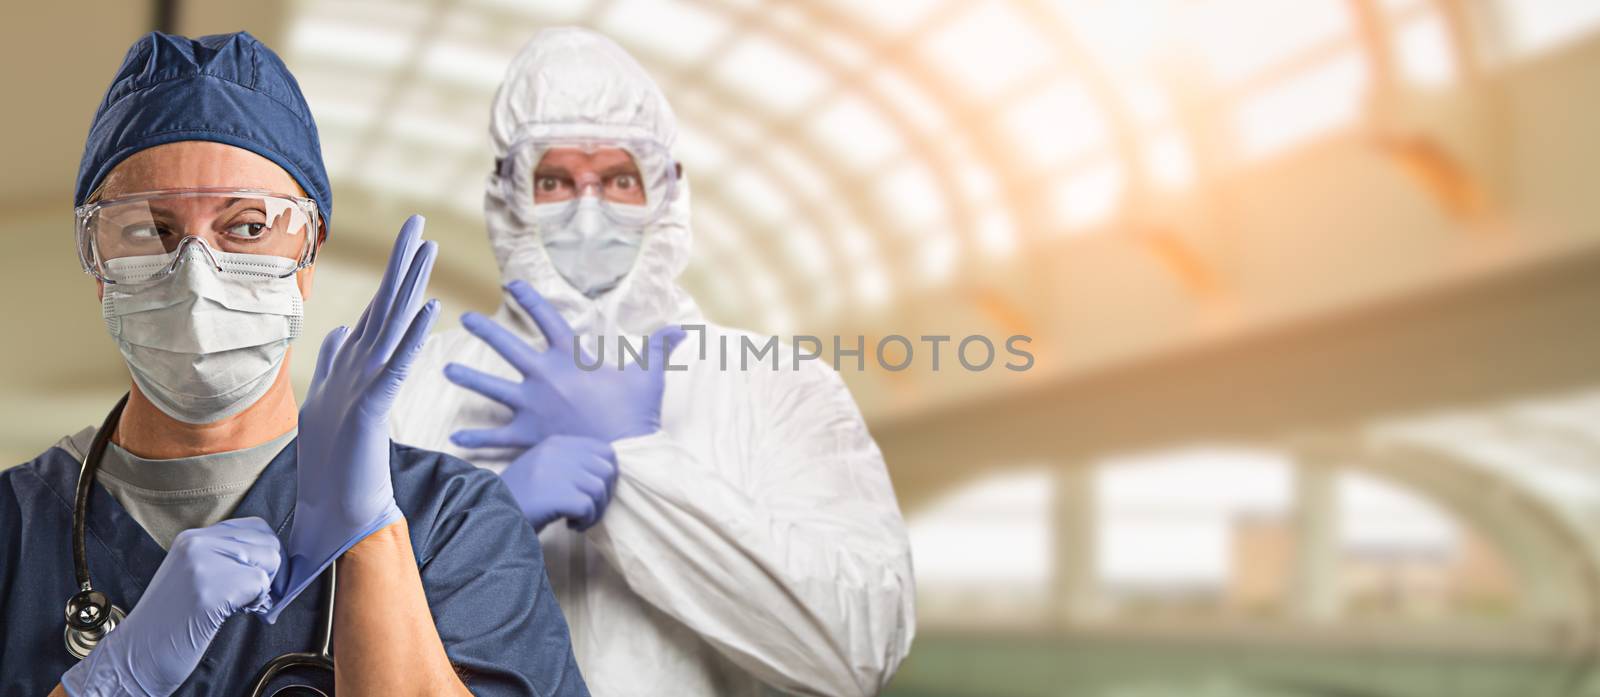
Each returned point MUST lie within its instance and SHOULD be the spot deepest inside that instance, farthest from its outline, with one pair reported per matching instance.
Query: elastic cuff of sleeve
(302, 567)
(89, 679)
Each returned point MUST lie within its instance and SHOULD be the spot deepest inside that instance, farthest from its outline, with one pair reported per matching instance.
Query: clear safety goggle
(633, 180)
(140, 237)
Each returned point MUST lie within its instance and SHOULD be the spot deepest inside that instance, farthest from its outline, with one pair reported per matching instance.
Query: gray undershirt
(167, 497)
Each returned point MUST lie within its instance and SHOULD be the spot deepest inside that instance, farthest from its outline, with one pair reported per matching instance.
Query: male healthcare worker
(752, 539)
(202, 199)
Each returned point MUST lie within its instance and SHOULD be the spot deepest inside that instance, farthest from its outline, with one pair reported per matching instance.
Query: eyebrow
(226, 204)
(620, 168)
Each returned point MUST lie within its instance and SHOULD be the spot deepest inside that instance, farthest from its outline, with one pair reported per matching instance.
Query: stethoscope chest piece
(90, 614)
(90, 617)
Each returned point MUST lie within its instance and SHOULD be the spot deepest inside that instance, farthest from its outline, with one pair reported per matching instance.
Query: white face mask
(589, 250)
(203, 344)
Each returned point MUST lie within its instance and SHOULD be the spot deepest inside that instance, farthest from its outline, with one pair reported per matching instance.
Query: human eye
(246, 231)
(551, 183)
(552, 186)
(246, 225)
(625, 187)
(140, 232)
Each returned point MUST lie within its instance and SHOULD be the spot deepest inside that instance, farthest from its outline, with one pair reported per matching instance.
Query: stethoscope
(91, 615)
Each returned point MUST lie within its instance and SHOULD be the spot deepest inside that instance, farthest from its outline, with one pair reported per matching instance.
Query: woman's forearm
(383, 634)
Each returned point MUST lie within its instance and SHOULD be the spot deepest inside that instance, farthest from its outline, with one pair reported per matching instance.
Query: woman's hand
(210, 574)
(344, 490)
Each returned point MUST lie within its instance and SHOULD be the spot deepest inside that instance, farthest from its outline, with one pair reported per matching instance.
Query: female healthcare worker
(202, 198)
(753, 540)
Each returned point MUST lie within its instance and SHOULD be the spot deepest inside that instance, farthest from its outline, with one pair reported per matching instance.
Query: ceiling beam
(1483, 341)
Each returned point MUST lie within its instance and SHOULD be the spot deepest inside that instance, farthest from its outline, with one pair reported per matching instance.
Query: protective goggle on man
(590, 191)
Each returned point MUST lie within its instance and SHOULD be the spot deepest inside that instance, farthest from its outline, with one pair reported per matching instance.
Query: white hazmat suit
(754, 541)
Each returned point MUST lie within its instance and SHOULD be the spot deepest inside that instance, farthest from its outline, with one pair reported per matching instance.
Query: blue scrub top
(480, 562)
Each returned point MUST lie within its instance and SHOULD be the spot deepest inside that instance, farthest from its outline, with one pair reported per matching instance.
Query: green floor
(956, 666)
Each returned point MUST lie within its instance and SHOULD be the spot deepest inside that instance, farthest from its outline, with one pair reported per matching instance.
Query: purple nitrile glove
(344, 492)
(563, 477)
(556, 396)
(209, 575)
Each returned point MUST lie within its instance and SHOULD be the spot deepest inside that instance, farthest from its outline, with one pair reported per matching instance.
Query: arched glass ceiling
(845, 156)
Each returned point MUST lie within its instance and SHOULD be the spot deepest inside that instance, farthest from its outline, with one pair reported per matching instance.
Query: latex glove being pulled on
(210, 574)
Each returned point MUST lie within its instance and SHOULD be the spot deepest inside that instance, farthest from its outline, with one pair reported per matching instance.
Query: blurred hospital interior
(1312, 286)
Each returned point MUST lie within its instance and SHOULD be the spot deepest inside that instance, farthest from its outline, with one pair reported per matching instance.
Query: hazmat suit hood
(577, 83)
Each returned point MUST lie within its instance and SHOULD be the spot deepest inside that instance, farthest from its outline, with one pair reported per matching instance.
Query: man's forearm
(383, 634)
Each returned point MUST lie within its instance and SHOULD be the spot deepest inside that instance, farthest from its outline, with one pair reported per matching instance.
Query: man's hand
(563, 477)
(210, 574)
(556, 396)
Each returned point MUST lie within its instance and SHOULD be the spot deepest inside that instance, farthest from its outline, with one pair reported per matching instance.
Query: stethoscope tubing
(322, 658)
(80, 500)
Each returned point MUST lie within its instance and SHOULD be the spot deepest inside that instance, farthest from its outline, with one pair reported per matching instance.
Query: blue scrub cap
(226, 88)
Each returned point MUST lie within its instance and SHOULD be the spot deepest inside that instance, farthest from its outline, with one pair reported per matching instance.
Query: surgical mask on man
(590, 250)
(207, 341)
